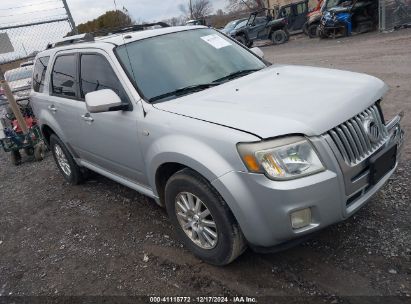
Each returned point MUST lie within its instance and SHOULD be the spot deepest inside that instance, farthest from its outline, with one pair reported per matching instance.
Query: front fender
(187, 151)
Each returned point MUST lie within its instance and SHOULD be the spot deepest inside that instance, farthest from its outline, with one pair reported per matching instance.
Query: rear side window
(96, 74)
(39, 74)
(64, 80)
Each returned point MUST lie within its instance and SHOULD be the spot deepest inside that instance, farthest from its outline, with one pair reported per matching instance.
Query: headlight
(281, 159)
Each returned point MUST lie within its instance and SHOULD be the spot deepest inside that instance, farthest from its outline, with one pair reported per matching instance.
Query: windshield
(167, 63)
(241, 24)
(332, 3)
(231, 25)
(19, 74)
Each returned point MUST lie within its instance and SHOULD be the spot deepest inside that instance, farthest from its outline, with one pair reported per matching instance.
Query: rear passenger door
(108, 140)
(63, 102)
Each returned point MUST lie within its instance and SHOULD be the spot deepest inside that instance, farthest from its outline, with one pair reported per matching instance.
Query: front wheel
(305, 28)
(242, 39)
(202, 219)
(312, 31)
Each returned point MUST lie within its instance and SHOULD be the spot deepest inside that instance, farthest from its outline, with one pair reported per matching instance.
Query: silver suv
(240, 152)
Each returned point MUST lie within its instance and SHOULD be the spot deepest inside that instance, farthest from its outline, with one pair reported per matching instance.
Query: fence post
(70, 17)
(382, 15)
(12, 102)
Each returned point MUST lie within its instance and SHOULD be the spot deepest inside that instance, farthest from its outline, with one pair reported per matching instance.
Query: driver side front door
(108, 140)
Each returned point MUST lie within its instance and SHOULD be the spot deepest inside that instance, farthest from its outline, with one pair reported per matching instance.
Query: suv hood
(283, 99)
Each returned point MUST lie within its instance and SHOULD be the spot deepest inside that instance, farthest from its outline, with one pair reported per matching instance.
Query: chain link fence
(394, 14)
(27, 28)
(21, 43)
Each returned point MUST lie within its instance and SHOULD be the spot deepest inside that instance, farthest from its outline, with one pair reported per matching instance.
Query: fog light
(301, 218)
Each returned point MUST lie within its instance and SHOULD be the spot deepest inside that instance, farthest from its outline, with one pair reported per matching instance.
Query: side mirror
(103, 101)
(257, 51)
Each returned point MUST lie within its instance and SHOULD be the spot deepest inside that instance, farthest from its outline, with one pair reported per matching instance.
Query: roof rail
(127, 29)
(71, 40)
(89, 37)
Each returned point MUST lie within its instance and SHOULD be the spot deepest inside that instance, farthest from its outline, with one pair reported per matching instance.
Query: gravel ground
(101, 238)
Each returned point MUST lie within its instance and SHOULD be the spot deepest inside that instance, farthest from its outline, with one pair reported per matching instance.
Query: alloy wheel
(196, 220)
(62, 160)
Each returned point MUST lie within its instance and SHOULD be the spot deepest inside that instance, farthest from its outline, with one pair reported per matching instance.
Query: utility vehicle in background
(262, 28)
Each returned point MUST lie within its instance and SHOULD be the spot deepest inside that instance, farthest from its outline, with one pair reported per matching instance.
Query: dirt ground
(101, 238)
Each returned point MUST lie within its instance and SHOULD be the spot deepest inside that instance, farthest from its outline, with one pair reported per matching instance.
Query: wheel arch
(47, 131)
(165, 169)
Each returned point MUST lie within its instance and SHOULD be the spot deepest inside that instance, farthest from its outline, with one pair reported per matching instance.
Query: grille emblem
(372, 129)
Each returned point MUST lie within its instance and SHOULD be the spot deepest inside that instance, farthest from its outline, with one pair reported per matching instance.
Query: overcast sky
(12, 11)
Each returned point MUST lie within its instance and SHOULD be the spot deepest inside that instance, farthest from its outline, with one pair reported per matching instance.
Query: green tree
(107, 21)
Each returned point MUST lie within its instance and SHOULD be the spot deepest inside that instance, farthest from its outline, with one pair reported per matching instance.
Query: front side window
(286, 12)
(163, 64)
(230, 25)
(39, 74)
(96, 74)
(241, 24)
(64, 80)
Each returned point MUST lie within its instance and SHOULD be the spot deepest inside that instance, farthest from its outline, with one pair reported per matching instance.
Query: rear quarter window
(39, 73)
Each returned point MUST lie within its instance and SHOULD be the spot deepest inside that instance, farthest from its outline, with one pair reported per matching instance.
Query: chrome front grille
(359, 137)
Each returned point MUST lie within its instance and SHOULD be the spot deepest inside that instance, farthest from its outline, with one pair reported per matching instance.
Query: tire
(39, 152)
(29, 151)
(250, 44)
(322, 33)
(305, 28)
(65, 162)
(242, 39)
(312, 30)
(228, 239)
(279, 37)
(15, 158)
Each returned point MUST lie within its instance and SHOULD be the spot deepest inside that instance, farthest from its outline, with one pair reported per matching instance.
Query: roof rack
(89, 37)
(72, 40)
(127, 29)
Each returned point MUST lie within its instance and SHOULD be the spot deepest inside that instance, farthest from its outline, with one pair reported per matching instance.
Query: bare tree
(197, 9)
(240, 5)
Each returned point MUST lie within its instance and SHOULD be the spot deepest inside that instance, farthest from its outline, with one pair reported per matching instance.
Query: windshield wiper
(185, 90)
(236, 75)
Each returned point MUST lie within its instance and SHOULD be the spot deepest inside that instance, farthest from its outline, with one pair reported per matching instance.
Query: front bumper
(262, 207)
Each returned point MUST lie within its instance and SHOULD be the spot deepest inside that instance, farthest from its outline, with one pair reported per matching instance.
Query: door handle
(52, 108)
(87, 117)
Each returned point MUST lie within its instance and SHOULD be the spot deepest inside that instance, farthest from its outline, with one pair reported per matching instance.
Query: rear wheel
(65, 162)
(279, 37)
(202, 219)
